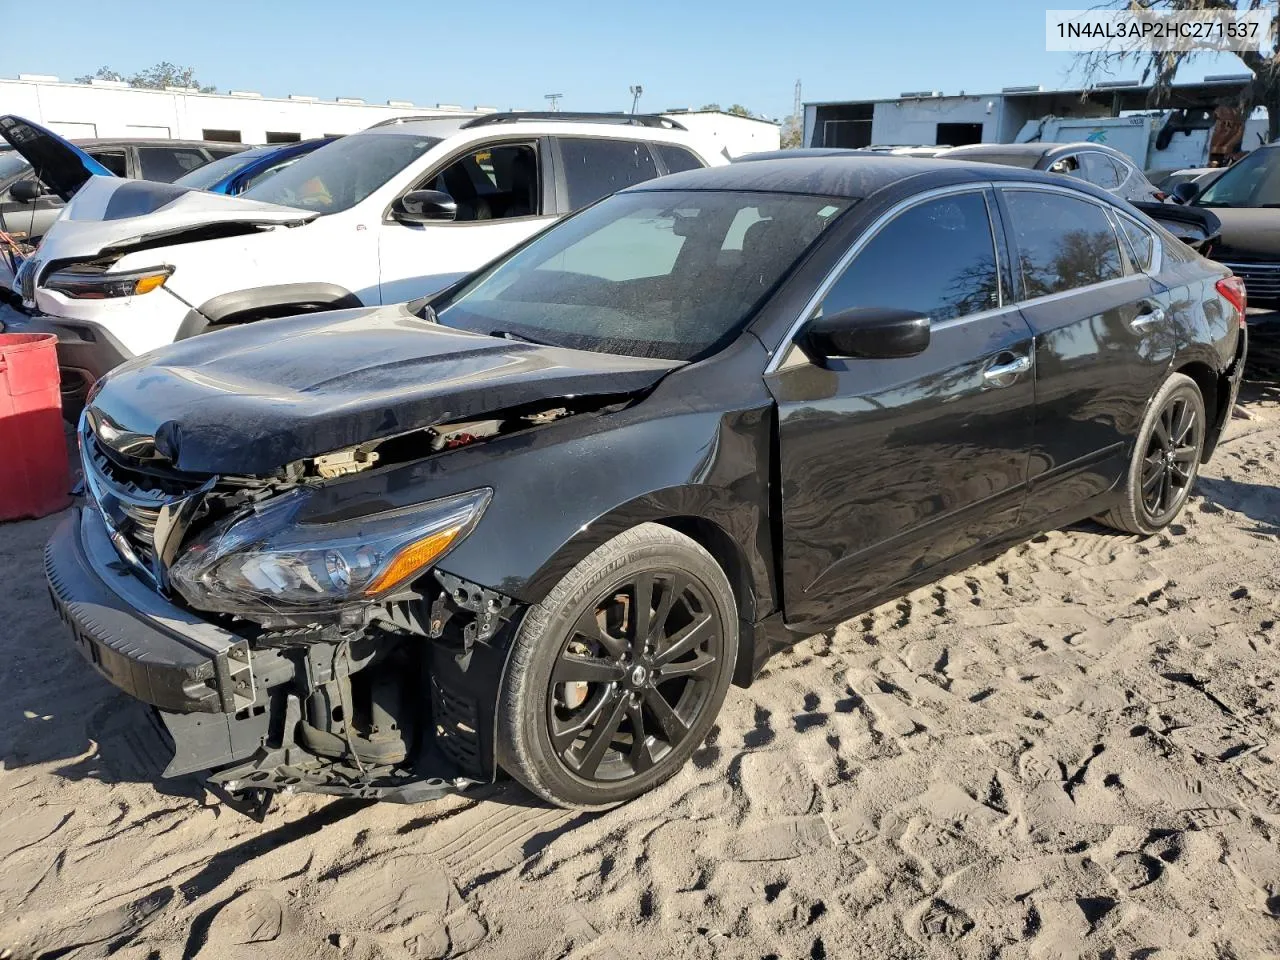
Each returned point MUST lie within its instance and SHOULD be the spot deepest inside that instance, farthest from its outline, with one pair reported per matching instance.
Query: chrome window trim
(778, 354)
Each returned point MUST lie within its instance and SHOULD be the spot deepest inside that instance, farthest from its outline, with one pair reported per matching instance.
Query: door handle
(1139, 324)
(1003, 374)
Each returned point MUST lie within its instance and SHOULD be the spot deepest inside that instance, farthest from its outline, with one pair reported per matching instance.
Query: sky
(505, 54)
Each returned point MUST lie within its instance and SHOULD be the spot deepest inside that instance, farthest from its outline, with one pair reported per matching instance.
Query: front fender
(679, 454)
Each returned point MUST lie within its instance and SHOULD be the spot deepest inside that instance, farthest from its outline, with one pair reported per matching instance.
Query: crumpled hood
(1248, 233)
(250, 400)
(110, 215)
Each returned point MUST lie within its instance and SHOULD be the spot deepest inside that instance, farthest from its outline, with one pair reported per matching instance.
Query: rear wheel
(1166, 459)
(616, 677)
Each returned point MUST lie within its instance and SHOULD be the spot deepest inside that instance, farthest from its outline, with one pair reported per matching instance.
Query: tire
(1163, 468)
(579, 680)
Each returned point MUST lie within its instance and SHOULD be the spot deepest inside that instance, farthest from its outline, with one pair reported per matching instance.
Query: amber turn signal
(413, 558)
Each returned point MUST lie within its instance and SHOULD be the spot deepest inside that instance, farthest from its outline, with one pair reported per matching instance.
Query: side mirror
(424, 206)
(872, 333)
(1185, 192)
(26, 191)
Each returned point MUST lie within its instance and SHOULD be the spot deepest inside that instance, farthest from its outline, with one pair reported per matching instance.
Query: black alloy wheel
(1164, 461)
(1172, 454)
(634, 676)
(618, 673)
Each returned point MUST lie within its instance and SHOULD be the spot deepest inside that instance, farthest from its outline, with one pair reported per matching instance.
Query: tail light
(1232, 288)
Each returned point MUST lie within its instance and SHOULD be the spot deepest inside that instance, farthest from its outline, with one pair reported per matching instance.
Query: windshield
(662, 274)
(341, 174)
(12, 163)
(205, 177)
(1253, 182)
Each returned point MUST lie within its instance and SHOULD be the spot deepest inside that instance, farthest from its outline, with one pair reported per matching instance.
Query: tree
(1161, 66)
(738, 110)
(163, 74)
(792, 133)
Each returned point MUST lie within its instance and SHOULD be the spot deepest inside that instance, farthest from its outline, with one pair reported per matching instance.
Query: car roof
(852, 175)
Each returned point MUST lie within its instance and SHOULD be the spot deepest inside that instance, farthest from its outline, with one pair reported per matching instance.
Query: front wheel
(1165, 461)
(616, 677)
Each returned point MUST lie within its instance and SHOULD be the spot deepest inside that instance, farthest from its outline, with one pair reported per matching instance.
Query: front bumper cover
(229, 710)
(149, 648)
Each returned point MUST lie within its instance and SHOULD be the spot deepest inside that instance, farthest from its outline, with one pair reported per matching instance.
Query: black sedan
(541, 522)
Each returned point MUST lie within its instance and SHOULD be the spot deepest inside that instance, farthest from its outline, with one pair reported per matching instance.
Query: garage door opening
(958, 134)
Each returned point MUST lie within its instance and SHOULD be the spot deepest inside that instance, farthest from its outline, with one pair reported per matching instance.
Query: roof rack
(630, 119)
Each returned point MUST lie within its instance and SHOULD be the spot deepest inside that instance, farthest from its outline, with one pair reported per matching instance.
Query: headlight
(86, 285)
(270, 562)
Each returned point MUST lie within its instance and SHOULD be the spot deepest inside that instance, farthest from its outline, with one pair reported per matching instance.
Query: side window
(1100, 170)
(498, 182)
(676, 159)
(1142, 245)
(597, 168)
(1063, 243)
(937, 258)
(113, 160)
(167, 164)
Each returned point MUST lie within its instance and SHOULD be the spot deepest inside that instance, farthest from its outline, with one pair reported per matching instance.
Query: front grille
(1261, 280)
(130, 499)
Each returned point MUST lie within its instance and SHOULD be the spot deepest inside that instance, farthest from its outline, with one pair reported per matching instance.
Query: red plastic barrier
(33, 452)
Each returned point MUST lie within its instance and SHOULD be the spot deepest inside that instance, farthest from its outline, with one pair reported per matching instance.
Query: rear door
(1104, 341)
(890, 467)
(592, 168)
(504, 196)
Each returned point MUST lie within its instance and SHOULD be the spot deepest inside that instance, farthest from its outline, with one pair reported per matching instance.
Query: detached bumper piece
(379, 714)
(144, 645)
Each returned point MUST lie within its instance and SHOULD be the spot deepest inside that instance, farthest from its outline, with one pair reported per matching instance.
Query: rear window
(1063, 243)
(596, 168)
(676, 159)
(167, 164)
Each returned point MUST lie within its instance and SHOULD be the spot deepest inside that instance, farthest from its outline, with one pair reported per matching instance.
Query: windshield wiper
(511, 335)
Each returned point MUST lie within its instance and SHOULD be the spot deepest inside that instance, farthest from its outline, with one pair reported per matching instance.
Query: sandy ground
(1069, 751)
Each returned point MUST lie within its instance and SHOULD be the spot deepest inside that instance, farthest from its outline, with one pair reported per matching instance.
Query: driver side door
(890, 467)
(504, 196)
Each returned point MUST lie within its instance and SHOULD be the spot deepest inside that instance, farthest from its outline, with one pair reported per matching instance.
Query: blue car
(235, 174)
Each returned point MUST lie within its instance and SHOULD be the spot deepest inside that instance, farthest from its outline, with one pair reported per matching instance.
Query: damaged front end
(281, 650)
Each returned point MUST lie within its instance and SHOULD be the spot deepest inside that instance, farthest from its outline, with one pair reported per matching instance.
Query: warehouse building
(931, 117)
(108, 108)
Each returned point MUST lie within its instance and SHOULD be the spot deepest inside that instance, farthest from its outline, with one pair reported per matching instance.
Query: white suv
(385, 215)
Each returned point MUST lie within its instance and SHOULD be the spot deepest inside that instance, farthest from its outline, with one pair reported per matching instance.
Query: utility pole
(635, 97)
(554, 99)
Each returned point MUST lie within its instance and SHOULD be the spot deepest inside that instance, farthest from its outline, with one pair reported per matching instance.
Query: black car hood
(250, 400)
(1248, 233)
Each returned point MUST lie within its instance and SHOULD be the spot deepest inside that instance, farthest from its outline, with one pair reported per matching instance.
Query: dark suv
(161, 160)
